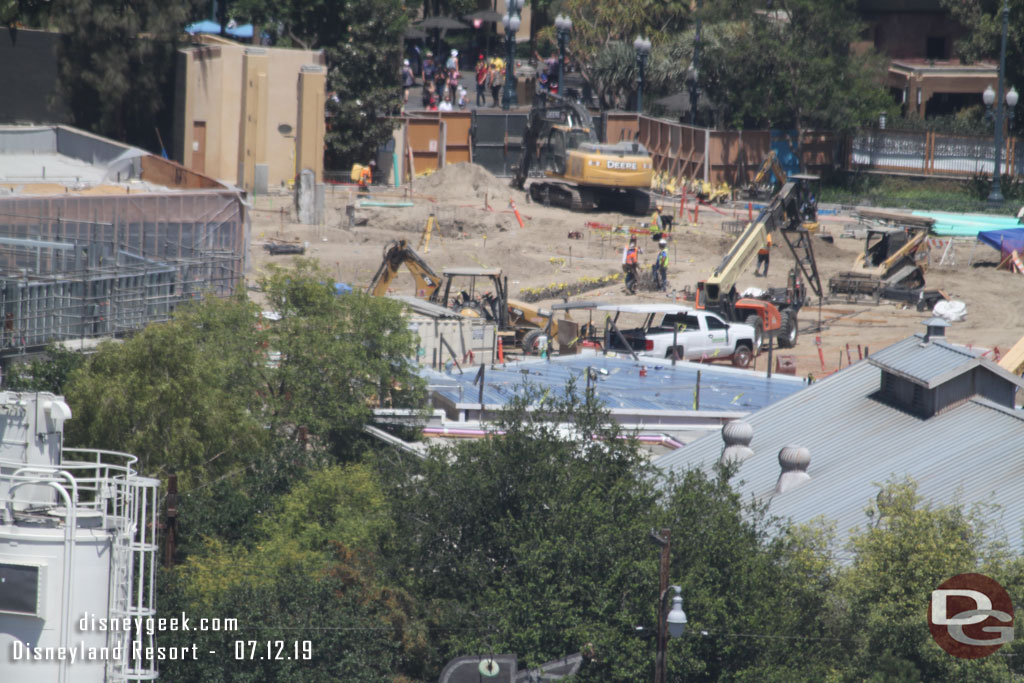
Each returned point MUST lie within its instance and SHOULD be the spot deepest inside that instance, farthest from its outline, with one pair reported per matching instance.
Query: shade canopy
(484, 15)
(442, 23)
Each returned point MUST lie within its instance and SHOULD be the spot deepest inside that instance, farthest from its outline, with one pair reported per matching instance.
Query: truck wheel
(679, 350)
(529, 342)
(755, 321)
(741, 357)
(788, 330)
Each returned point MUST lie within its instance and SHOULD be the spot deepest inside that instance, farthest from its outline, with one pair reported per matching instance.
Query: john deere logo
(628, 165)
(970, 616)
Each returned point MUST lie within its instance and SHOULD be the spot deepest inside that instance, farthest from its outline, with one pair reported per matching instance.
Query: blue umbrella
(208, 26)
(243, 31)
(204, 26)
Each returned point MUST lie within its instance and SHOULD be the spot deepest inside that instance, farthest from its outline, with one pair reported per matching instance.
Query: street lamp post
(563, 25)
(995, 197)
(673, 623)
(693, 72)
(510, 21)
(643, 48)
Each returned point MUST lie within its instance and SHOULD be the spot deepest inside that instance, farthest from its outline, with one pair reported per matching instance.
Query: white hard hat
(455, 53)
(405, 62)
(663, 242)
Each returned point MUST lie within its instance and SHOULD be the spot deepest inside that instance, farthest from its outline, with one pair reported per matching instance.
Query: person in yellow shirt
(763, 256)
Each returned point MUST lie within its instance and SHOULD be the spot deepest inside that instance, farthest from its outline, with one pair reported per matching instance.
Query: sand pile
(457, 182)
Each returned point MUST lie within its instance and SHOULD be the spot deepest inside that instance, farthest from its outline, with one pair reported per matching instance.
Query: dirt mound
(457, 182)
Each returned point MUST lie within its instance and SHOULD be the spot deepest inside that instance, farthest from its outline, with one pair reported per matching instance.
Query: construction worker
(661, 222)
(630, 264)
(763, 256)
(660, 267)
(365, 179)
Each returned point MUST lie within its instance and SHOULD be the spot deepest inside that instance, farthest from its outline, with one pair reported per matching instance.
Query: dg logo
(970, 616)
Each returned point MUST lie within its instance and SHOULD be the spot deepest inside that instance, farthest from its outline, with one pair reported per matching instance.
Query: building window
(935, 47)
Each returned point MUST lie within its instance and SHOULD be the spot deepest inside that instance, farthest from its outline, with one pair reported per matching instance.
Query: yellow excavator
(456, 289)
(762, 188)
(560, 148)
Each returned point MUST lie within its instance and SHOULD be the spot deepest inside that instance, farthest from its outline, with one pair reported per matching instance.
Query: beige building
(238, 108)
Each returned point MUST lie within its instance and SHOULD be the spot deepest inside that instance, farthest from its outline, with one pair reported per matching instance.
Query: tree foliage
(179, 395)
(908, 548)
(50, 372)
(116, 63)
(788, 63)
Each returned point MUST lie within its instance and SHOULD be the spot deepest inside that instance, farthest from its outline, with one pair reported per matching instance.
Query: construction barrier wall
(87, 266)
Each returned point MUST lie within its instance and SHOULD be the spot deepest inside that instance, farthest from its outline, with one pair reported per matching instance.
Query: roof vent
(737, 435)
(936, 328)
(794, 461)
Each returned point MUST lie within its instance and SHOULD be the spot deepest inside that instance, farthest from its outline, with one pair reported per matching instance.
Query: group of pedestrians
(442, 83)
(442, 89)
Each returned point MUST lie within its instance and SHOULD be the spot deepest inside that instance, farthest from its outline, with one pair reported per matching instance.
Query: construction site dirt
(478, 224)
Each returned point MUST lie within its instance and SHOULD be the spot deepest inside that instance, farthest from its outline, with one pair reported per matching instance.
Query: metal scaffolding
(78, 267)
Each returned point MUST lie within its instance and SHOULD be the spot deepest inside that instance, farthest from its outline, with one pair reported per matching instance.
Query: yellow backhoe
(457, 289)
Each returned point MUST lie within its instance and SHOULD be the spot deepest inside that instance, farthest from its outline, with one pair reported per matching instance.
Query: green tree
(536, 541)
(788, 63)
(983, 20)
(116, 64)
(180, 395)
(340, 357)
(306, 576)
(908, 548)
(48, 373)
(362, 40)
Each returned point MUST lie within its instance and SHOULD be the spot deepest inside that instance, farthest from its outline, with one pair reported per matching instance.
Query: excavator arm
(770, 165)
(546, 111)
(395, 255)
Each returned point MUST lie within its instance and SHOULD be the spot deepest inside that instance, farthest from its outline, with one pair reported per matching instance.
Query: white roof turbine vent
(794, 461)
(936, 328)
(737, 436)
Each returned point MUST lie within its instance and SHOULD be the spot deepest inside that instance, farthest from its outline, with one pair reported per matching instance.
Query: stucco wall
(213, 93)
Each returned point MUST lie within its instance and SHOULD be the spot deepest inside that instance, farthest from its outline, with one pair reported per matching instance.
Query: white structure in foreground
(77, 546)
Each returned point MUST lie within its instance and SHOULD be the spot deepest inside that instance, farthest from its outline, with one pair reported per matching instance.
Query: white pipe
(70, 525)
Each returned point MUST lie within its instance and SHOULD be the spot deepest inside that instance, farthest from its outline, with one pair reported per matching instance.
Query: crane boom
(786, 212)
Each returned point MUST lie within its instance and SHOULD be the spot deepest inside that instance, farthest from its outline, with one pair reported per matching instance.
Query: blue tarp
(1004, 240)
(966, 224)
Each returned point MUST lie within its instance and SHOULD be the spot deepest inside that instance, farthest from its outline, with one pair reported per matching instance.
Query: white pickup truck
(689, 334)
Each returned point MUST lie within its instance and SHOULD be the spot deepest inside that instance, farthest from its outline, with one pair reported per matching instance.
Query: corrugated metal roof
(934, 363)
(663, 388)
(970, 453)
(425, 307)
(924, 363)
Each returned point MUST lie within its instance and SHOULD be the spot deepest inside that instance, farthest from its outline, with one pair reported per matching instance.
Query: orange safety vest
(631, 256)
(767, 246)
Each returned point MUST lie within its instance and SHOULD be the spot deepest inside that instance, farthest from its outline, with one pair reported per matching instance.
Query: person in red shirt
(481, 83)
